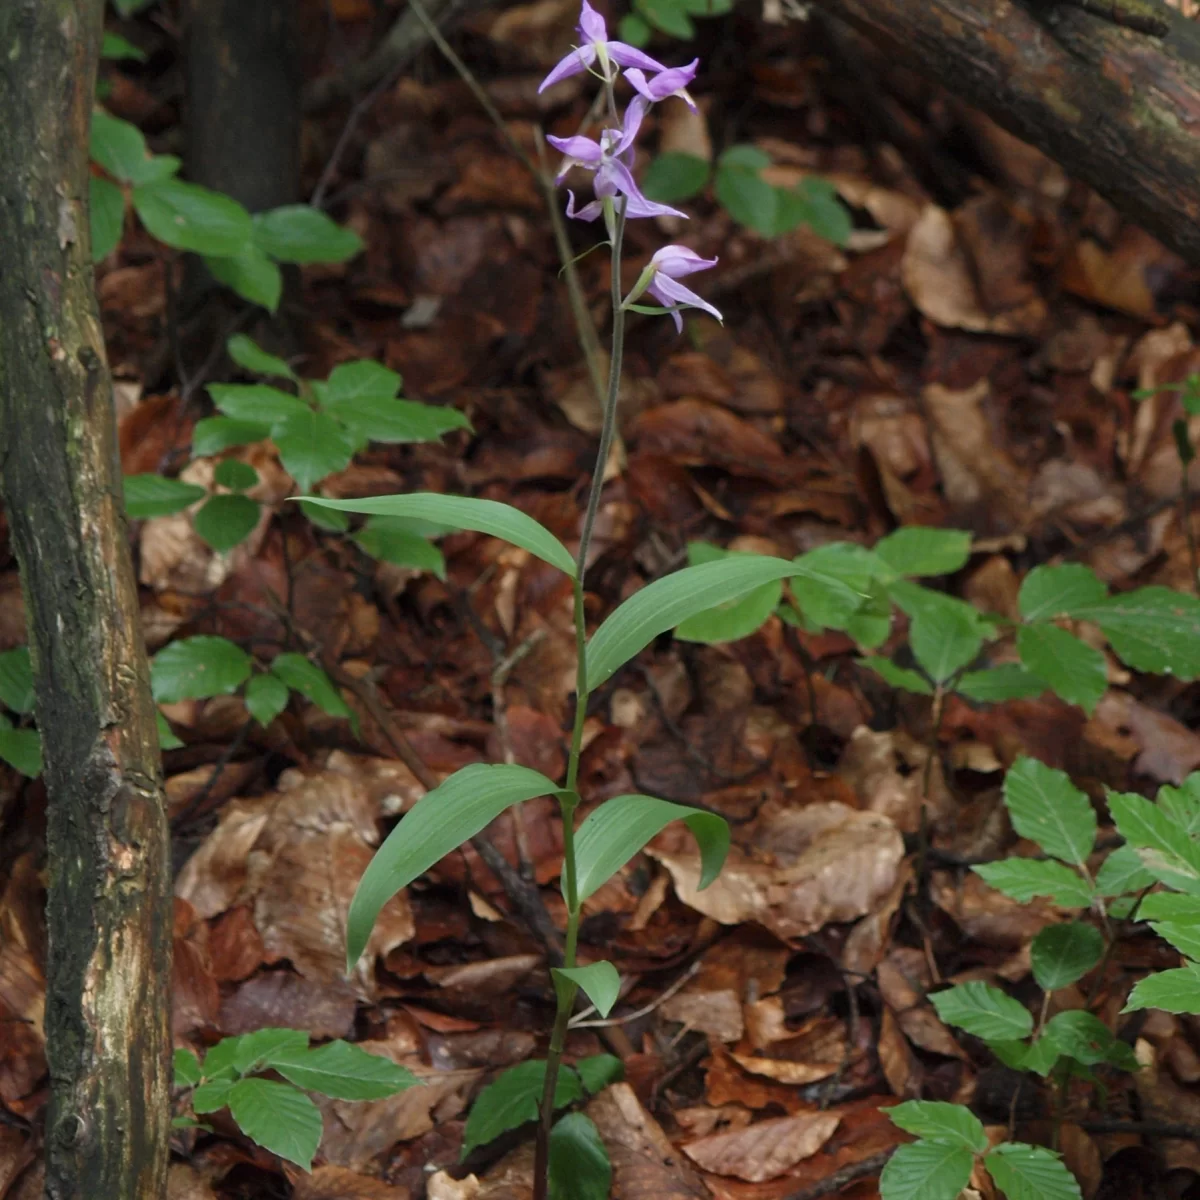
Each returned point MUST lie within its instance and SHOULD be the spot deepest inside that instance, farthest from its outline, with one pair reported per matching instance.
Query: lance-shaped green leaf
(737, 618)
(1046, 807)
(439, 822)
(465, 512)
(599, 980)
(668, 602)
(613, 833)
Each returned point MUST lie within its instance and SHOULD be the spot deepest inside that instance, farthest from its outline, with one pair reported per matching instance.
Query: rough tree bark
(109, 909)
(1117, 108)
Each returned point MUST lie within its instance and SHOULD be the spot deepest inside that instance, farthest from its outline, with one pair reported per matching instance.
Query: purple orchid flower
(597, 47)
(661, 280)
(671, 82)
(613, 176)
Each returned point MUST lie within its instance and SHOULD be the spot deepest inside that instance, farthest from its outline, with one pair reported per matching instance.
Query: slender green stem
(568, 803)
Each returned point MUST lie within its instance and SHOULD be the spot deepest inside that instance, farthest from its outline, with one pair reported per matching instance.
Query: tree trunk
(109, 909)
(1116, 107)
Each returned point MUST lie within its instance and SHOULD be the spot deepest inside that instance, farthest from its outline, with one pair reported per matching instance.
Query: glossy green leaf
(926, 1171)
(1049, 592)
(1025, 878)
(599, 980)
(187, 1069)
(258, 1050)
(599, 1070)
(1182, 804)
(992, 685)
(1063, 954)
(1122, 872)
(1152, 629)
(344, 1071)
(1183, 935)
(226, 521)
(248, 354)
(16, 680)
(106, 211)
(1165, 849)
(198, 667)
(735, 618)
(1030, 1173)
(214, 434)
(311, 446)
(234, 474)
(579, 1167)
(311, 682)
(211, 1096)
(1169, 906)
(465, 512)
(437, 824)
(190, 217)
(512, 1098)
(1173, 991)
(615, 831)
(1073, 670)
(1048, 809)
(984, 1011)
(298, 233)
(251, 274)
(834, 582)
(21, 748)
(220, 1060)
(668, 602)
(675, 176)
(937, 1121)
(898, 676)
(400, 547)
(278, 1117)
(921, 550)
(158, 496)
(266, 697)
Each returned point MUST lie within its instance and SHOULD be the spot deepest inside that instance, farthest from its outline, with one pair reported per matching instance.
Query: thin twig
(579, 1023)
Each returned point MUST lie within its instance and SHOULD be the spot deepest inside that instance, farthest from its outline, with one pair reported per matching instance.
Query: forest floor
(967, 360)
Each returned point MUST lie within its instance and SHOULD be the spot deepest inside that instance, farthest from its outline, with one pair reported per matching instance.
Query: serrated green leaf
(278, 1117)
(234, 474)
(1025, 878)
(921, 550)
(226, 521)
(437, 824)
(382, 419)
(992, 685)
(897, 676)
(984, 1011)
(344, 1071)
(362, 379)
(599, 980)
(106, 211)
(311, 682)
(1182, 804)
(251, 274)
(579, 1167)
(157, 496)
(1074, 671)
(466, 512)
(747, 197)
(194, 218)
(814, 204)
(257, 1051)
(1030, 1173)
(736, 618)
(668, 602)
(945, 634)
(1165, 849)
(21, 748)
(298, 233)
(1088, 1040)
(1169, 906)
(400, 547)
(1049, 592)
(198, 667)
(214, 434)
(937, 1121)
(248, 354)
(834, 583)
(1062, 954)
(512, 1099)
(926, 1171)
(211, 1096)
(599, 1070)
(615, 831)
(1152, 629)
(187, 1069)
(311, 446)
(119, 147)
(1122, 872)
(1048, 809)
(1173, 991)
(674, 176)
(258, 403)
(1184, 936)
(220, 1060)
(16, 680)
(266, 697)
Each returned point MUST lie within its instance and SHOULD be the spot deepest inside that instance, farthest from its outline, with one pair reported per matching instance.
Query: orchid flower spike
(613, 176)
(661, 280)
(596, 47)
(671, 82)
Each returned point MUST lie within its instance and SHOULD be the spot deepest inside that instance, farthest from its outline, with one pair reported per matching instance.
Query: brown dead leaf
(887, 771)
(1127, 275)
(766, 1149)
(696, 433)
(900, 1066)
(337, 1183)
(796, 869)
(987, 915)
(1168, 750)
(184, 1182)
(716, 1013)
(325, 1010)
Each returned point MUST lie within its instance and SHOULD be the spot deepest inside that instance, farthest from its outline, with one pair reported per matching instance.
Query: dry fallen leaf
(766, 1149)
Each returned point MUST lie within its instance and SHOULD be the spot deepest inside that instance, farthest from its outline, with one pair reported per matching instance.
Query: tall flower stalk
(618, 199)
